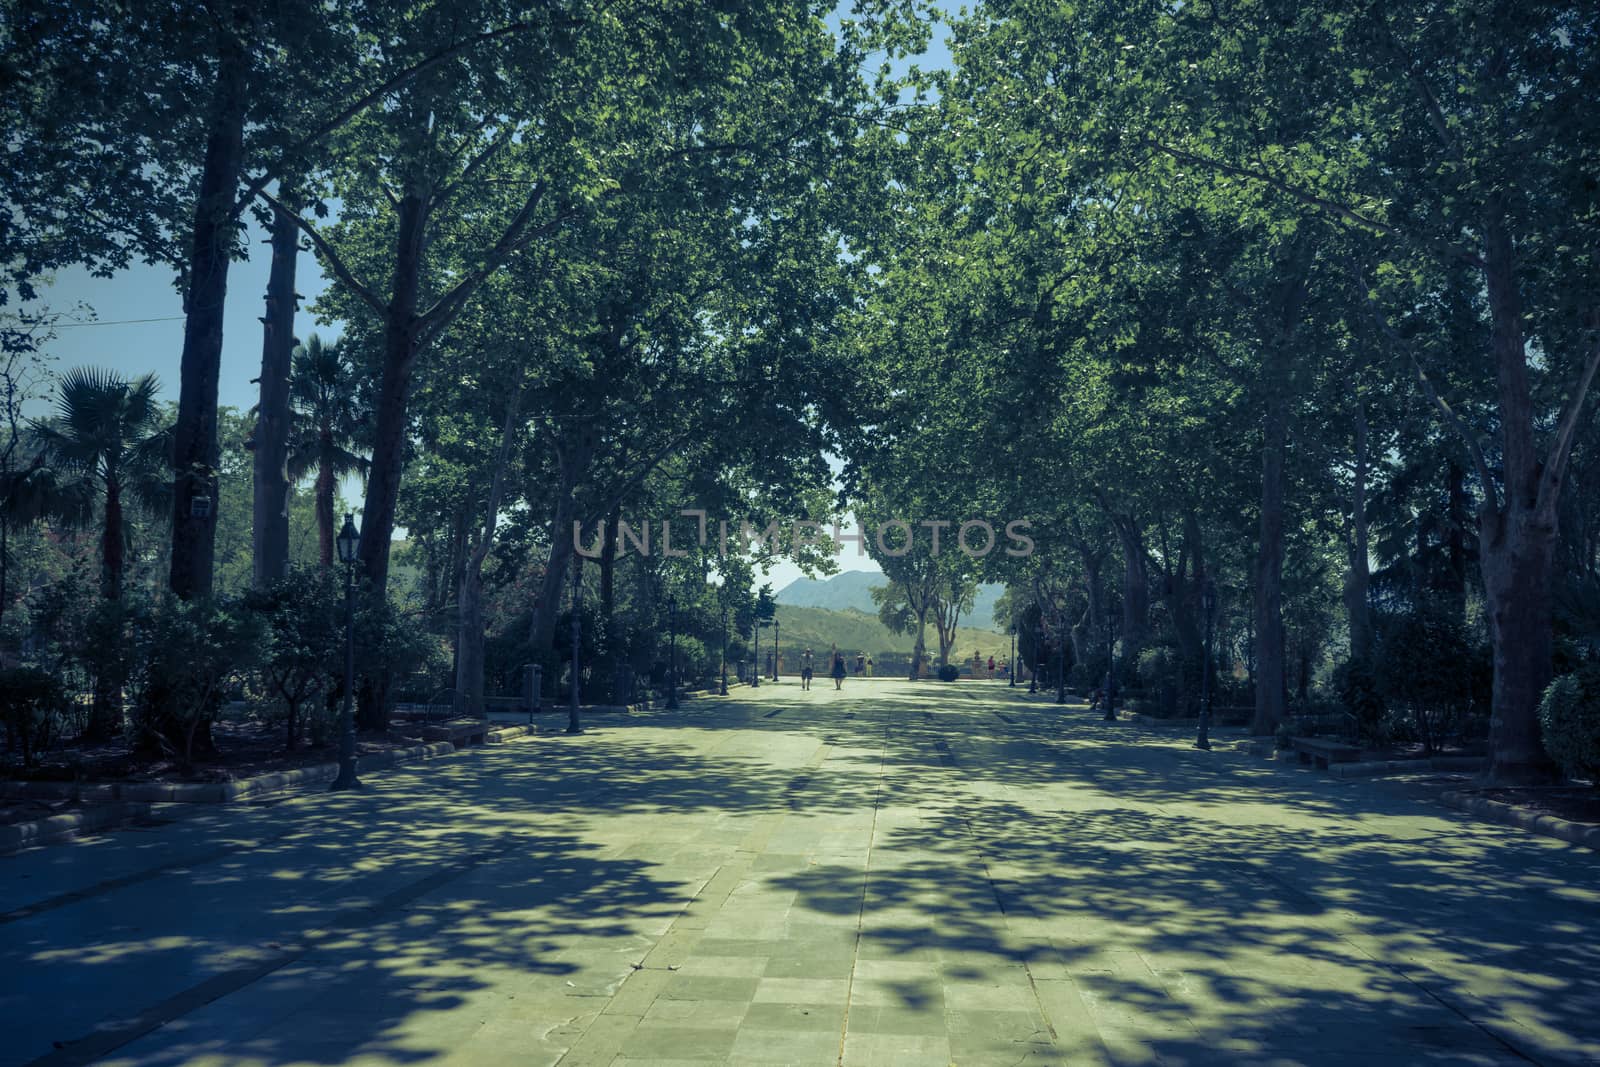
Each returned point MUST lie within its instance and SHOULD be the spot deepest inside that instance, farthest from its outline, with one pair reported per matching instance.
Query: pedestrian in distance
(869, 666)
(838, 670)
(806, 664)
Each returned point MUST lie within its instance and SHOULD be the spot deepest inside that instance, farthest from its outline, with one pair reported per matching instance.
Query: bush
(949, 672)
(1570, 716)
(1357, 688)
(186, 656)
(32, 704)
(302, 658)
(1426, 666)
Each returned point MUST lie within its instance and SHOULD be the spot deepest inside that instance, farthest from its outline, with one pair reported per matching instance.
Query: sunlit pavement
(894, 873)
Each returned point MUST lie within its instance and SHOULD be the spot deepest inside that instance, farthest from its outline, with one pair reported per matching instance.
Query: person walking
(806, 663)
(991, 666)
(861, 662)
(869, 666)
(838, 670)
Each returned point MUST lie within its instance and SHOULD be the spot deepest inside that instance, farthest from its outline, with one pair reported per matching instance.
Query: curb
(1509, 815)
(56, 827)
(216, 792)
(1406, 766)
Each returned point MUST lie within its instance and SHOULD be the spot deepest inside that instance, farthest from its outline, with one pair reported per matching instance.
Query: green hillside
(820, 628)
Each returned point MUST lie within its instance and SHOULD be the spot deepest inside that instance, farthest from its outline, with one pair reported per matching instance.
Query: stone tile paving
(892, 874)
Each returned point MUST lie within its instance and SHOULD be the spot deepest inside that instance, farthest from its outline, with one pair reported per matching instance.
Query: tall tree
(328, 425)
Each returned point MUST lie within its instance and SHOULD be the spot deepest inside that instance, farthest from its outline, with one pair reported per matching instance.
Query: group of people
(836, 667)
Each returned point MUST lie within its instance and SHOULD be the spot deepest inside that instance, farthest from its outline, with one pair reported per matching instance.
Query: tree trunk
(388, 448)
(195, 458)
(1135, 587)
(1358, 579)
(573, 457)
(270, 515)
(470, 636)
(111, 544)
(608, 567)
(394, 392)
(1517, 540)
(1516, 557)
(1457, 516)
(324, 492)
(1269, 671)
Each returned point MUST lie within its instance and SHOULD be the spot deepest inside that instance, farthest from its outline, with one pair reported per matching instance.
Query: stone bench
(1323, 752)
(459, 732)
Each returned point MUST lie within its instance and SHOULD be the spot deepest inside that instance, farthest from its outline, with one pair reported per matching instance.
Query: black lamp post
(1038, 650)
(1061, 666)
(755, 655)
(349, 542)
(574, 726)
(1111, 668)
(1011, 664)
(1208, 605)
(722, 689)
(777, 649)
(672, 655)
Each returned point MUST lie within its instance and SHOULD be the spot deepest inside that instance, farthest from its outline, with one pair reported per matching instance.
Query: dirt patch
(244, 750)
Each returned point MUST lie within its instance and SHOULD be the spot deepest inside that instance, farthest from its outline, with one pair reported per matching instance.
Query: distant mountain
(852, 591)
(854, 631)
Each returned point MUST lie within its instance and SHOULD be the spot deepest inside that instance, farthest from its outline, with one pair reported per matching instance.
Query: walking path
(892, 874)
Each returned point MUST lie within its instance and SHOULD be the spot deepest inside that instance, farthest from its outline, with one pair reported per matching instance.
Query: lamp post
(349, 543)
(777, 649)
(755, 655)
(1111, 668)
(722, 689)
(1038, 650)
(672, 655)
(574, 726)
(1011, 664)
(1061, 666)
(1208, 605)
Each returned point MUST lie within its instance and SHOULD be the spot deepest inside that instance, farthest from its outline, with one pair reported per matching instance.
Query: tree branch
(1555, 464)
(1323, 204)
(361, 103)
(1474, 449)
(515, 236)
(329, 255)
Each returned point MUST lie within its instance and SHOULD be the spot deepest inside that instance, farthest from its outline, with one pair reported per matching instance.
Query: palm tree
(322, 393)
(109, 437)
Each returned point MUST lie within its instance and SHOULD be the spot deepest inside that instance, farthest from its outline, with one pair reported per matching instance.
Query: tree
(328, 425)
(109, 434)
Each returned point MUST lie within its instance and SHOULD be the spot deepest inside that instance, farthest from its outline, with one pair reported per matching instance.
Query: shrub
(302, 656)
(1426, 667)
(1570, 716)
(32, 703)
(1357, 688)
(186, 655)
(949, 672)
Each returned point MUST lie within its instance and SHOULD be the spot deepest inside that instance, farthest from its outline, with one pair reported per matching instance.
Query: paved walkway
(894, 874)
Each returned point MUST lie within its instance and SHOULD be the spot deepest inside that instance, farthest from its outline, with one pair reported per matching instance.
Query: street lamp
(1111, 668)
(1011, 664)
(1038, 650)
(755, 654)
(574, 726)
(722, 601)
(1208, 605)
(349, 543)
(1061, 666)
(672, 655)
(777, 649)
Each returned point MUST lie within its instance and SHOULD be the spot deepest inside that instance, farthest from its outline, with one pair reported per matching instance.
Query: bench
(1323, 751)
(459, 732)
